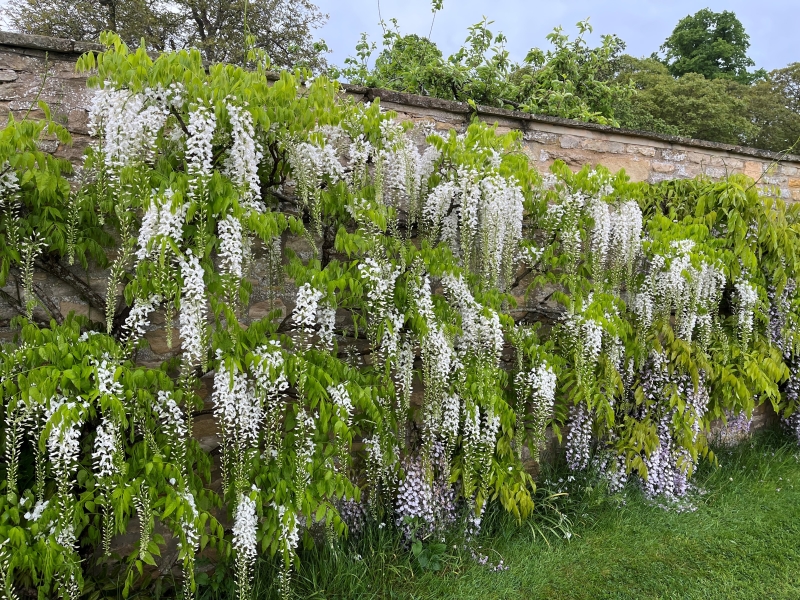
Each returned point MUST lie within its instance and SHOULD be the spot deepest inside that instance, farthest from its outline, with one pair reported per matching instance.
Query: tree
(283, 28)
(787, 81)
(763, 115)
(692, 106)
(711, 44)
(773, 106)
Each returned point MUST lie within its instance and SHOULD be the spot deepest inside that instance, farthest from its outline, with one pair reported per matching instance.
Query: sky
(773, 25)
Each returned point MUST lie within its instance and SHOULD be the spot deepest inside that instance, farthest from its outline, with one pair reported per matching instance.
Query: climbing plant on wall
(400, 388)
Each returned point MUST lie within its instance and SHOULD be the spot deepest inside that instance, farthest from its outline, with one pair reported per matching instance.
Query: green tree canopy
(711, 44)
(284, 28)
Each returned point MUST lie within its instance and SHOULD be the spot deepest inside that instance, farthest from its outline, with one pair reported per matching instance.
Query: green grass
(743, 541)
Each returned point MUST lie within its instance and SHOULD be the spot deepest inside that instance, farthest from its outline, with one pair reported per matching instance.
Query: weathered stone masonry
(36, 67)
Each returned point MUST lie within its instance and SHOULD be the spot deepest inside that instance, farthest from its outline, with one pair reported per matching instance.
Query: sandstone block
(206, 431)
(637, 149)
(158, 340)
(570, 141)
(716, 172)
(663, 167)
(753, 169)
(788, 170)
(259, 310)
(66, 307)
(673, 155)
(595, 145)
(542, 137)
(635, 168)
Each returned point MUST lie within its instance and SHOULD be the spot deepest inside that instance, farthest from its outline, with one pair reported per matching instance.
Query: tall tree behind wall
(284, 28)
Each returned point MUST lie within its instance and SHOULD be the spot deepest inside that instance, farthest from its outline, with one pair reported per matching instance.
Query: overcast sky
(773, 25)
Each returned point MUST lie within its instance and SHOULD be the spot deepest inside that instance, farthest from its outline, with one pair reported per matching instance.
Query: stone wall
(35, 67)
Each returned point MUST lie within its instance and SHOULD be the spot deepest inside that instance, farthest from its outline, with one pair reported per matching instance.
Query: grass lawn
(743, 541)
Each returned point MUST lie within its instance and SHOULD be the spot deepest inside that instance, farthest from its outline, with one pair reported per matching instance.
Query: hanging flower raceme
(241, 165)
(288, 539)
(746, 301)
(269, 382)
(106, 463)
(193, 310)
(163, 219)
(600, 239)
(238, 413)
(138, 319)
(199, 150)
(626, 239)
(174, 425)
(231, 246)
(675, 285)
(341, 398)
(245, 544)
(309, 312)
(482, 334)
(380, 279)
(579, 438)
(128, 122)
(536, 391)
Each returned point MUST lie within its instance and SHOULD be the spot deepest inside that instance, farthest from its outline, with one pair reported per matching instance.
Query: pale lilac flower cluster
(669, 465)
(579, 438)
(162, 220)
(306, 308)
(231, 246)
(105, 449)
(129, 123)
(482, 334)
(199, 150)
(746, 300)
(193, 310)
(341, 398)
(737, 428)
(425, 503)
(241, 165)
(353, 514)
(138, 319)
